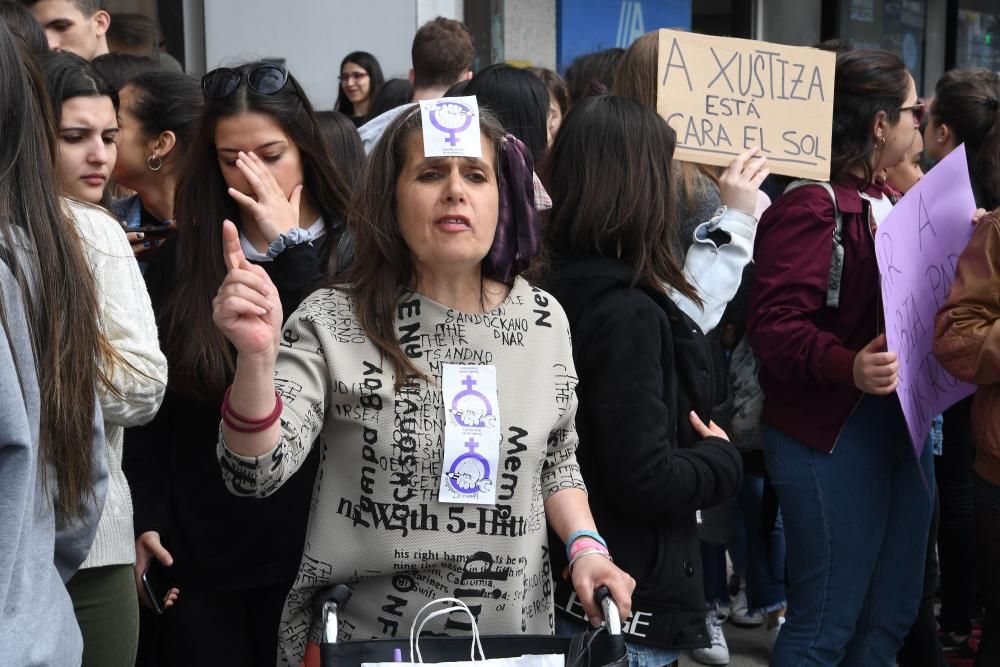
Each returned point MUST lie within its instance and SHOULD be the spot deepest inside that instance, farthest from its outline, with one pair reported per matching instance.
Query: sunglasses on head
(266, 79)
(919, 111)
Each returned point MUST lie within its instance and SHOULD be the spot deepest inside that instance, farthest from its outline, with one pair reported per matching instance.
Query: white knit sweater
(128, 322)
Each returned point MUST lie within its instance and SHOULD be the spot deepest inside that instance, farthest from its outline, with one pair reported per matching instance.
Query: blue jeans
(763, 555)
(713, 568)
(856, 524)
(765, 552)
(639, 655)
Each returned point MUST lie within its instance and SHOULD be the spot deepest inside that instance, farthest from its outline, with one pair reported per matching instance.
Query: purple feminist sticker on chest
(470, 406)
(470, 472)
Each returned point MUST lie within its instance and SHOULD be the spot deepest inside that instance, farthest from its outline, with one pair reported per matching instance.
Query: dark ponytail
(968, 102)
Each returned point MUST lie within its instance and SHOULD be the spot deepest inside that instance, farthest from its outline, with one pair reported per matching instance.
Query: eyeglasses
(353, 76)
(265, 79)
(919, 111)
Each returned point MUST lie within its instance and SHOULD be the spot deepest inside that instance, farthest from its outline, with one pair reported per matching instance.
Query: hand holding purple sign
(917, 247)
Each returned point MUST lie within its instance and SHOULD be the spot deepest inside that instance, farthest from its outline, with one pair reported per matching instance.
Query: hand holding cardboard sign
(740, 181)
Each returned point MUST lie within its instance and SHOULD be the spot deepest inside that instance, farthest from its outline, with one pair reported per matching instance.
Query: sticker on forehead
(451, 127)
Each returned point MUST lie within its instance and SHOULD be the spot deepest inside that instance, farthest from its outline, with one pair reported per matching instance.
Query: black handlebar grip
(340, 594)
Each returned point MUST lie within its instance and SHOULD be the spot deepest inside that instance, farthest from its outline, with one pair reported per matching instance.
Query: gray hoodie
(37, 624)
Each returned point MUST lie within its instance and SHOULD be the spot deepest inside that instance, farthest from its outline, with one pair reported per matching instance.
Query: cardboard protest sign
(917, 248)
(723, 95)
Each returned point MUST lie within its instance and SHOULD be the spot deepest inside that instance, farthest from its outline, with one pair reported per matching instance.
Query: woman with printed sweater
(441, 457)
(103, 590)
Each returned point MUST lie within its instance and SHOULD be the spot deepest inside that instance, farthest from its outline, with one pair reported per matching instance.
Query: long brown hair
(612, 195)
(636, 78)
(382, 272)
(866, 82)
(968, 102)
(201, 360)
(56, 285)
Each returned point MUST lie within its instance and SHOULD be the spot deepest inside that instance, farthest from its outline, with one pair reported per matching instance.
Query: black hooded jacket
(643, 365)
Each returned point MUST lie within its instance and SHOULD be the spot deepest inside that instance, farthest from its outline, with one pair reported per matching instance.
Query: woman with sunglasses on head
(360, 80)
(158, 119)
(259, 160)
(103, 590)
(854, 499)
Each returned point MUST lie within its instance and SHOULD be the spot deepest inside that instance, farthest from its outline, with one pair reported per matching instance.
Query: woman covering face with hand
(260, 161)
(401, 362)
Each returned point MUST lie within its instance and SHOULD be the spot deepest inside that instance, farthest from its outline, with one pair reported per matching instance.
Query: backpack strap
(837, 255)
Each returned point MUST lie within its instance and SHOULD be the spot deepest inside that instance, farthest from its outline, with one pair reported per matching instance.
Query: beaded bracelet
(241, 424)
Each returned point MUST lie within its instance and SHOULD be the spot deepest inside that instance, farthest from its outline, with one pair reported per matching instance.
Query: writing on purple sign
(917, 247)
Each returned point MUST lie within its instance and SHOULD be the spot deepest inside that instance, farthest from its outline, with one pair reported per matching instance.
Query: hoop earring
(879, 143)
(149, 162)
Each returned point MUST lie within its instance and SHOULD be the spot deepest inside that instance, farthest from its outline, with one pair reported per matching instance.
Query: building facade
(312, 36)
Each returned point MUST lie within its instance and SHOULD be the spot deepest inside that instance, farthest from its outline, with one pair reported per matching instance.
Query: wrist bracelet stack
(241, 424)
(582, 543)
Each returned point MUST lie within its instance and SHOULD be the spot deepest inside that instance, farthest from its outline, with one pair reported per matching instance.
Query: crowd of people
(255, 349)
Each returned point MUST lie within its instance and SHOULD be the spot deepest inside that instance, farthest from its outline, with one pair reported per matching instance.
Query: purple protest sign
(918, 247)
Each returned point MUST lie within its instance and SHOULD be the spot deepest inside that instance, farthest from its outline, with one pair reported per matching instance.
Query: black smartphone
(156, 581)
(153, 231)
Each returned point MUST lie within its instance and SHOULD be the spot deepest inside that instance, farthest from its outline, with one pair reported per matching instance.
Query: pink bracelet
(582, 543)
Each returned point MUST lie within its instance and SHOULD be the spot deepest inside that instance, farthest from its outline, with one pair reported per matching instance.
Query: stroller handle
(332, 600)
(612, 616)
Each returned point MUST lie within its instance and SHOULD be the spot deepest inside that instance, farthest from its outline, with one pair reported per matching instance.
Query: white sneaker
(718, 652)
(772, 634)
(742, 615)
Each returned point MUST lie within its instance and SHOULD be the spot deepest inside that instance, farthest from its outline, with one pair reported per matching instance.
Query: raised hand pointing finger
(232, 251)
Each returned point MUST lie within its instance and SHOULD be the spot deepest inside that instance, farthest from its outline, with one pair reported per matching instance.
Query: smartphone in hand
(156, 581)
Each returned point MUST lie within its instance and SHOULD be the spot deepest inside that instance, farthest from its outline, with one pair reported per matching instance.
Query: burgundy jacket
(807, 349)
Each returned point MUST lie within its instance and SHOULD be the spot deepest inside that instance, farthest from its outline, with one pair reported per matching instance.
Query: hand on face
(275, 214)
(263, 168)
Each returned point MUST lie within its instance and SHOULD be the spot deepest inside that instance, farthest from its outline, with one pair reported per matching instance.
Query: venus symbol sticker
(451, 127)
(471, 434)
